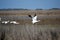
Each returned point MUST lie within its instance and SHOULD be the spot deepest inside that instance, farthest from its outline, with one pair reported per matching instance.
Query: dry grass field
(26, 12)
(47, 29)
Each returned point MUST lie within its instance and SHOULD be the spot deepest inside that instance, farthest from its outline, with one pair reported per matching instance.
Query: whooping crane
(5, 22)
(34, 18)
(14, 22)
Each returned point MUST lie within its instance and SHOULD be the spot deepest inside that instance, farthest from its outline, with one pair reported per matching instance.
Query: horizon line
(29, 8)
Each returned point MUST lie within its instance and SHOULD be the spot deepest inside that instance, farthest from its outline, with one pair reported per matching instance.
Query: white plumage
(34, 19)
(14, 22)
(5, 22)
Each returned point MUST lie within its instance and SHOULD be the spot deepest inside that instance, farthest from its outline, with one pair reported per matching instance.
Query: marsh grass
(31, 32)
(31, 12)
(47, 21)
(47, 29)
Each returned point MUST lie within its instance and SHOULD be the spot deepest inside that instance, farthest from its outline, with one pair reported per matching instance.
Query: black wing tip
(35, 15)
(30, 16)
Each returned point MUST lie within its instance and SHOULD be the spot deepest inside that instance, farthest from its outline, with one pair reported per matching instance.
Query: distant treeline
(49, 9)
(12, 9)
(28, 9)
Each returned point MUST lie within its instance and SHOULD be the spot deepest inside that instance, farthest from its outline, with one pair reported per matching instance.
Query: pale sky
(29, 4)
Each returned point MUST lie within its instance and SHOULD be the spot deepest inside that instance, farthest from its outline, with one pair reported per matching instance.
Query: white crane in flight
(34, 18)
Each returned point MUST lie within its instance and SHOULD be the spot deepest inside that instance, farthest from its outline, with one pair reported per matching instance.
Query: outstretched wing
(35, 18)
(30, 16)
